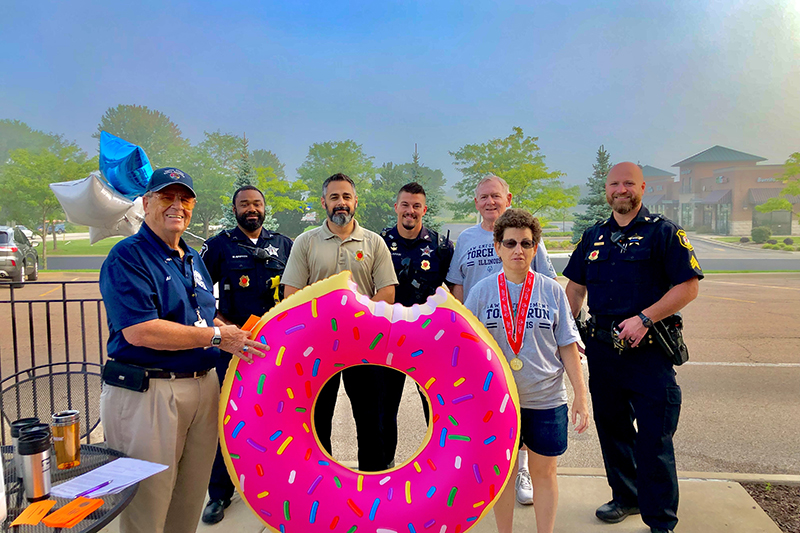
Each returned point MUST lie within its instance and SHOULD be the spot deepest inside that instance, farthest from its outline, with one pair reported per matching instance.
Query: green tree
(268, 159)
(212, 183)
(25, 185)
(150, 129)
(328, 158)
(791, 177)
(376, 203)
(280, 194)
(225, 149)
(597, 207)
(378, 207)
(518, 160)
(245, 175)
(432, 180)
(16, 135)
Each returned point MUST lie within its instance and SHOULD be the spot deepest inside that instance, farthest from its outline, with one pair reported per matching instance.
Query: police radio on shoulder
(216, 340)
(646, 321)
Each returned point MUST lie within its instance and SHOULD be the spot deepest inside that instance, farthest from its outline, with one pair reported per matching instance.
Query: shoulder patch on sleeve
(684, 240)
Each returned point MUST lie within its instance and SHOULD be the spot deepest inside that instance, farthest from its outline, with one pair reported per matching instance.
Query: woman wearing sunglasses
(530, 318)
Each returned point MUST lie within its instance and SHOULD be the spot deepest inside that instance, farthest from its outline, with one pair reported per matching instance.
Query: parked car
(53, 228)
(28, 233)
(18, 257)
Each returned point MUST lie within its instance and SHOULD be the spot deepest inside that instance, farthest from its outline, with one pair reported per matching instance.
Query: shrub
(772, 241)
(760, 234)
(744, 239)
(788, 240)
(767, 247)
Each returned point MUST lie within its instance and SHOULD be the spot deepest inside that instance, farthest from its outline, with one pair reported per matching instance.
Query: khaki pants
(173, 423)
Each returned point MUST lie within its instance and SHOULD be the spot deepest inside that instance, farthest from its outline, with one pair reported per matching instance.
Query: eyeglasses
(166, 199)
(511, 244)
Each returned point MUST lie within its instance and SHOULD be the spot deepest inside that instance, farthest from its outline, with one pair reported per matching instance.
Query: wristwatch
(216, 340)
(646, 322)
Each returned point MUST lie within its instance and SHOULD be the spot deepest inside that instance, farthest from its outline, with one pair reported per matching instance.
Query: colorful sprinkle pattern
(471, 418)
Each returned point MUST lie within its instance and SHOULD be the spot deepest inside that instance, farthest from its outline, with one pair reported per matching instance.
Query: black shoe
(660, 530)
(613, 512)
(215, 511)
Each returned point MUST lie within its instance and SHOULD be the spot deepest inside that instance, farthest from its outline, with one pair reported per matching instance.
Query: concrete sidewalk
(707, 506)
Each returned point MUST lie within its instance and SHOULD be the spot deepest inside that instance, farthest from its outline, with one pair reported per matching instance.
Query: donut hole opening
(371, 380)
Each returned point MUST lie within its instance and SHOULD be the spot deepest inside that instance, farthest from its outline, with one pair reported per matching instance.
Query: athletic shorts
(544, 431)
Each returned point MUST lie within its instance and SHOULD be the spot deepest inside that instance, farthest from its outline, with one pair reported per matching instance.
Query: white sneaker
(524, 488)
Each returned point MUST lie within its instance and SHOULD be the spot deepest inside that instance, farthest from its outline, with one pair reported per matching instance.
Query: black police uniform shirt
(421, 264)
(248, 285)
(652, 254)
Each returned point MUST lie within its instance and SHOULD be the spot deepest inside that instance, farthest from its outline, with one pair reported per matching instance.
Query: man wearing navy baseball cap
(164, 177)
(159, 401)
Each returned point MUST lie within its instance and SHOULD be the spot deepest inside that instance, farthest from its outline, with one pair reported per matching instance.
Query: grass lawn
(80, 247)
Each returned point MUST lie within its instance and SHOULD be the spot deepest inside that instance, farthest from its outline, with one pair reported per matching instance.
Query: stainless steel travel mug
(34, 451)
(15, 427)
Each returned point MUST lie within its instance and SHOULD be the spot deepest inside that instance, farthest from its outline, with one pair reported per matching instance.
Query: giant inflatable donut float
(266, 414)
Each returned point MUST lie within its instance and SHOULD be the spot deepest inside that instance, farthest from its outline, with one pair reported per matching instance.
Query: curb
(776, 479)
(696, 237)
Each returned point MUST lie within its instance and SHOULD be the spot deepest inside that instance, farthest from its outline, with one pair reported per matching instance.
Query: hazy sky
(654, 82)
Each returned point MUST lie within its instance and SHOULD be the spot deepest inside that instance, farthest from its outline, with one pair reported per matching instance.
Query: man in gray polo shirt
(339, 244)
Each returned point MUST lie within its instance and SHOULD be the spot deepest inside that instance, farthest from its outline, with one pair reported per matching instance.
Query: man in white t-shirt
(475, 259)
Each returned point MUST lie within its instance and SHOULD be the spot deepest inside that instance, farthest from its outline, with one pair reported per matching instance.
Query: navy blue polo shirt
(143, 279)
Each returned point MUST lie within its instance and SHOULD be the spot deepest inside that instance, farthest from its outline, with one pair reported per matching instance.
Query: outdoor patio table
(91, 458)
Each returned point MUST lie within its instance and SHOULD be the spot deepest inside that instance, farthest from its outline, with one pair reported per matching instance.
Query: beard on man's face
(340, 215)
(624, 204)
(250, 220)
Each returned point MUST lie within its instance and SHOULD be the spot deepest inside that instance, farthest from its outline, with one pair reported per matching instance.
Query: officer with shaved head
(638, 270)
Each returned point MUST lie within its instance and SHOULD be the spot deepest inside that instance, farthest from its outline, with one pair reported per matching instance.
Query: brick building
(660, 194)
(719, 189)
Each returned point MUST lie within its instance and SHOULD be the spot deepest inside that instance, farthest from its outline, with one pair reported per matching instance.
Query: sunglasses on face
(166, 199)
(526, 244)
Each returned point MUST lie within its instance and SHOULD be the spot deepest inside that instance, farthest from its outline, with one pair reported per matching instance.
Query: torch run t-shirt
(549, 324)
(475, 259)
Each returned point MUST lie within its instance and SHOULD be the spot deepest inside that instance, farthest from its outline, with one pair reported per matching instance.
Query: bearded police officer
(638, 269)
(247, 262)
(421, 258)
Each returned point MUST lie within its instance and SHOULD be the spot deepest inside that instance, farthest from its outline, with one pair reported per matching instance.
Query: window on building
(780, 222)
(686, 185)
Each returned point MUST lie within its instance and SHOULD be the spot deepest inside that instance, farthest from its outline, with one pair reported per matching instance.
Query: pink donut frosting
(266, 414)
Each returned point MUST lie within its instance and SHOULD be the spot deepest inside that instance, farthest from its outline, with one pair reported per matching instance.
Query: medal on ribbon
(515, 325)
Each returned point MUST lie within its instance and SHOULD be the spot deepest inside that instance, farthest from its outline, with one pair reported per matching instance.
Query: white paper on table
(122, 473)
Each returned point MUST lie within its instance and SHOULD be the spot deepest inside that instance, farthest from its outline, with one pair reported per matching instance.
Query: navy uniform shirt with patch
(247, 285)
(421, 264)
(621, 283)
(143, 279)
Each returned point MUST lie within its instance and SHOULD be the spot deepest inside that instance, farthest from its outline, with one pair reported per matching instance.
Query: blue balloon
(124, 165)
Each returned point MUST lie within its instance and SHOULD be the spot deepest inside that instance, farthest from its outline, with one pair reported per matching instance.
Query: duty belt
(607, 336)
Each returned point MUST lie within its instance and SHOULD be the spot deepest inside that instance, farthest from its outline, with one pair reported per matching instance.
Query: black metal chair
(43, 390)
